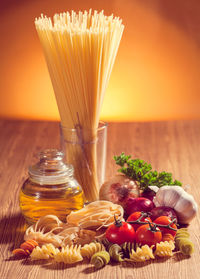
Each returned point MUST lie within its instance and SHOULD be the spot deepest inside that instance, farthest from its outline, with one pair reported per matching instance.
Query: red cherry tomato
(146, 235)
(120, 232)
(135, 216)
(164, 220)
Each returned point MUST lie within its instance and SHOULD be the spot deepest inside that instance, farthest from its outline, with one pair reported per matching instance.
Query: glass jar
(50, 188)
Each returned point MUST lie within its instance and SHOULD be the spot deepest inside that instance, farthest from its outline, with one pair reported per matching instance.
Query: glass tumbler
(85, 149)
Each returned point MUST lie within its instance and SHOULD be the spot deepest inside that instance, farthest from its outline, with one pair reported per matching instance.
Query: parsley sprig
(142, 172)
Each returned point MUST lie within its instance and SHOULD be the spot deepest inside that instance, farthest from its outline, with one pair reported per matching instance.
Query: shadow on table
(12, 230)
(177, 257)
(91, 269)
(48, 264)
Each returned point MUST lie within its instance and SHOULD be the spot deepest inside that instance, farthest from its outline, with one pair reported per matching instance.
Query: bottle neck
(51, 170)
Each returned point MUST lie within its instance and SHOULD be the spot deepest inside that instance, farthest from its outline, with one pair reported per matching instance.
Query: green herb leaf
(142, 172)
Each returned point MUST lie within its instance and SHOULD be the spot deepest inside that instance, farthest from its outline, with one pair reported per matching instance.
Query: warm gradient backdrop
(157, 71)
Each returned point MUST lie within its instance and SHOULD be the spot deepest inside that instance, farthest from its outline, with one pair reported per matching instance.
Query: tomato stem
(152, 226)
(138, 221)
(118, 223)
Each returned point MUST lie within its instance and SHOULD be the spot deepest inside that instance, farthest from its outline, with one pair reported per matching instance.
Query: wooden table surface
(169, 146)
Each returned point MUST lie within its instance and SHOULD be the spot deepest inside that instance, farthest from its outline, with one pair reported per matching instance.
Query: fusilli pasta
(164, 249)
(141, 254)
(100, 259)
(45, 252)
(183, 243)
(25, 248)
(88, 250)
(116, 253)
(127, 247)
(69, 255)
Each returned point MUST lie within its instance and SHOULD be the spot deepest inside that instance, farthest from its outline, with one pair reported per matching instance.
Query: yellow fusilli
(141, 254)
(69, 254)
(45, 252)
(88, 250)
(164, 249)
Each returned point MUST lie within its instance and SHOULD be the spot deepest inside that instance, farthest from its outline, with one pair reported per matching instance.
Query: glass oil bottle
(50, 189)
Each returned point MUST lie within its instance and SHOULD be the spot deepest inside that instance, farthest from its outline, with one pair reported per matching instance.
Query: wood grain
(171, 146)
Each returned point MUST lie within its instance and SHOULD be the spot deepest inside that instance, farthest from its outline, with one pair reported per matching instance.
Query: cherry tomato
(135, 216)
(164, 220)
(148, 234)
(120, 232)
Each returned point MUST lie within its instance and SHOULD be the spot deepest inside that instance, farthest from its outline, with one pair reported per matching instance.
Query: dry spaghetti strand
(80, 50)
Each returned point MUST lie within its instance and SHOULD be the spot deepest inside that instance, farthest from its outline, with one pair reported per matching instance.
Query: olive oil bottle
(50, 189)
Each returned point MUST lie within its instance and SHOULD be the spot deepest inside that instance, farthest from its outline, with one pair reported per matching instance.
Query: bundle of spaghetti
(49, 229)
(75, 235)
(96, 215)
(82, 227)
(85, 237)
(80, 50)
(45, 230)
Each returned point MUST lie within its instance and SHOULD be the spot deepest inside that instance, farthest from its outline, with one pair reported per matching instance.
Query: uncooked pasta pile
(80, 50)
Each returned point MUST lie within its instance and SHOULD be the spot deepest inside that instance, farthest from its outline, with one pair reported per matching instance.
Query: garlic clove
(186, 208)
(171, 195)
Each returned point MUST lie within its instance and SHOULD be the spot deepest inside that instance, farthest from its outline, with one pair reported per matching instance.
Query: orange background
(157, 71)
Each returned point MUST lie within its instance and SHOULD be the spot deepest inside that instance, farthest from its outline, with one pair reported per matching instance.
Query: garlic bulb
(178, 199)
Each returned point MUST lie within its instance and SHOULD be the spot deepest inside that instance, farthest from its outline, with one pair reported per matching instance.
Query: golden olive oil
(51, 189)
(34, 207)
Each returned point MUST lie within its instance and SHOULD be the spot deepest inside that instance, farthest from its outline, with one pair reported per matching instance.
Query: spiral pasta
(25, 248)
(164, 249)
(183, 243)
(127, 247)
(45, 252)
(88, 250)
(106, 243)
(100, 259)
(116, 253)
(69, 255)
(141, 254)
